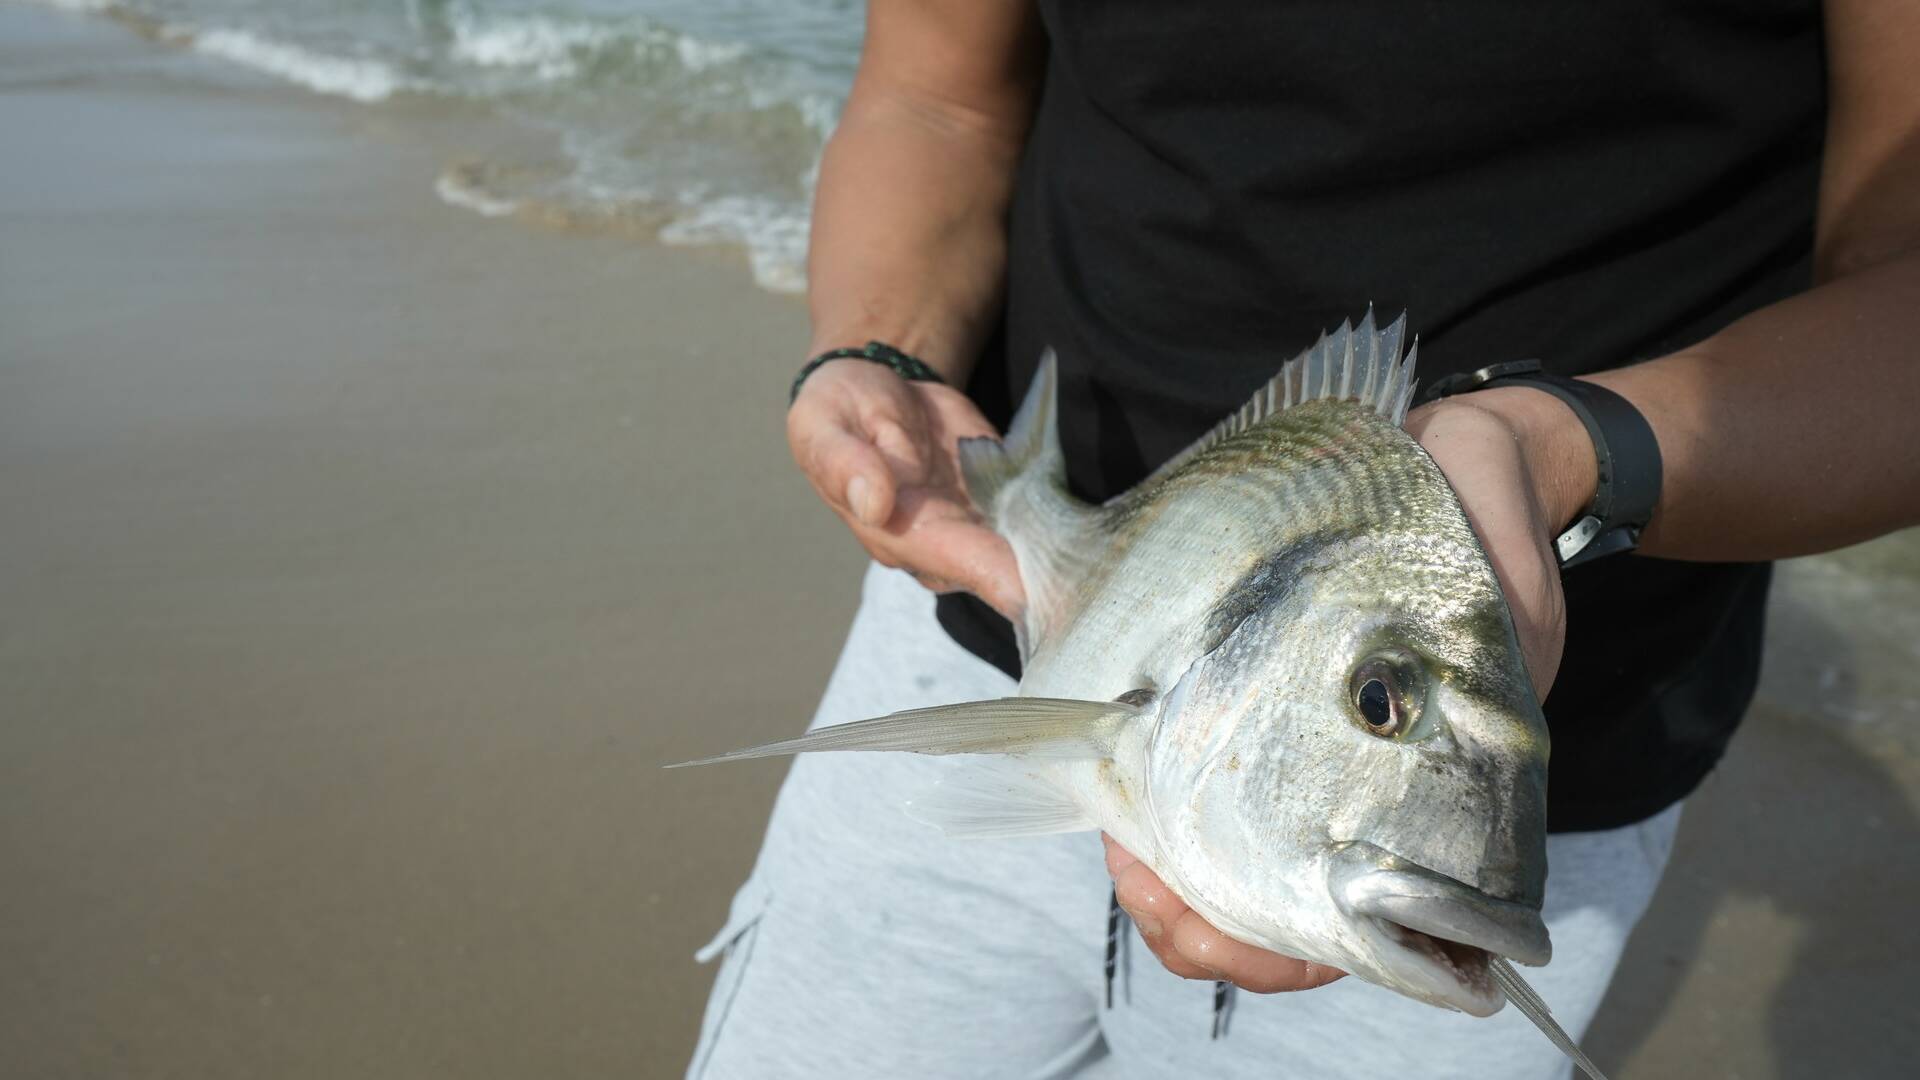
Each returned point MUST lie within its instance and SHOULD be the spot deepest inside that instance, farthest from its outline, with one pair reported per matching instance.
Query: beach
(363, 558)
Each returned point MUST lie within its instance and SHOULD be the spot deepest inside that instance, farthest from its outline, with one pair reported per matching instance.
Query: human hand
(1190, 946)
(883, 453)
(1522, 466)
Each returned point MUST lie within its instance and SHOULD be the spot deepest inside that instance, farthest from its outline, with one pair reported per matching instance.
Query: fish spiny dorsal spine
(1361, 364)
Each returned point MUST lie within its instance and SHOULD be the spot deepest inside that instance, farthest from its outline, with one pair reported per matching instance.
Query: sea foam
(707, 131)
(774, 235)
(83, 7)
(455, 190)
(556, 49)
(357, 79)
(547, 46)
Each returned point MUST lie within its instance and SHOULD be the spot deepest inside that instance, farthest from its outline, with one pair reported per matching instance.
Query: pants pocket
(733, 946)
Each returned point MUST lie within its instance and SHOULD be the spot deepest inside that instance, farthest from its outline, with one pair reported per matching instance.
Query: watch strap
(1626, 454)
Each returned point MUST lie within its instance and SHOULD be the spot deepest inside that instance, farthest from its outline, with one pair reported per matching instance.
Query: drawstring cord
(1113, 940)
(1222, 995)
(1222, 990)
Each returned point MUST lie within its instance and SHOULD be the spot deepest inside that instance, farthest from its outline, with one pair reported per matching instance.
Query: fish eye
(1381, 698)
(1376, 706)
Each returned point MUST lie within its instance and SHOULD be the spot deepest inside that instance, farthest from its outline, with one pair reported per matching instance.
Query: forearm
(909, 222)
(1792, 431)
(1789, 432)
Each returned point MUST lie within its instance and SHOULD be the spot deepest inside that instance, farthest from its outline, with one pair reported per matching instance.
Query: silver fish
(1281, 672)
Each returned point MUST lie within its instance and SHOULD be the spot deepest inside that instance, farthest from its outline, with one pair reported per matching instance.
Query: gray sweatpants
(865, 944)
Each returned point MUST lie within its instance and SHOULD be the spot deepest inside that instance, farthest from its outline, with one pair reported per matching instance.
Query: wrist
(908, 367)
(1561, 462)
(950, 355)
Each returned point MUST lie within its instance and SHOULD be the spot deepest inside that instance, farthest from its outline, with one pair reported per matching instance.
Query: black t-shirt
(1210, 185)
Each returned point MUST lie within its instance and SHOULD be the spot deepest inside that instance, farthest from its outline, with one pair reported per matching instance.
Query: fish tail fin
(1020, 484)
(1031, 448)
(1535, 1007)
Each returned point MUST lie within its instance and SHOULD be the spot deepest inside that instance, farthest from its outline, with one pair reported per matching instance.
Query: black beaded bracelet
(911, 368)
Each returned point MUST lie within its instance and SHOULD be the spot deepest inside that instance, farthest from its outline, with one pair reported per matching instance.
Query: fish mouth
(1435, 935)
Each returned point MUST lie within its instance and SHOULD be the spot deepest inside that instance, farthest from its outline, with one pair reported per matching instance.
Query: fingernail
(1149, 925)
(860, 499)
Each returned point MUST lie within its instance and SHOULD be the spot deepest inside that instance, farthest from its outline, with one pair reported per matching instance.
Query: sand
(361, 559)
(361, 562)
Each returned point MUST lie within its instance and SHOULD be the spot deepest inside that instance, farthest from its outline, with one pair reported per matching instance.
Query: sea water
(701, 119)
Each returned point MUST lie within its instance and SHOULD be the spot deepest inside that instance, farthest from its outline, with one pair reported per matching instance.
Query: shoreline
(363, 561)
(497, 161)
(364, 557)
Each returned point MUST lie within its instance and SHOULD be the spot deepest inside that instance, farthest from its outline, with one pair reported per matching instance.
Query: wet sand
(361, 560)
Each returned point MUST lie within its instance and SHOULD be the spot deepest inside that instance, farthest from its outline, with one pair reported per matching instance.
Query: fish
(1281, 672)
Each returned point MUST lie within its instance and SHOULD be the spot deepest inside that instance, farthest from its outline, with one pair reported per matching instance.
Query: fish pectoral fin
(995, 803)
(1033, 726)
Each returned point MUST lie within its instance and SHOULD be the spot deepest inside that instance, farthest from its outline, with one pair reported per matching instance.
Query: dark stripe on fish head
(1365, 688)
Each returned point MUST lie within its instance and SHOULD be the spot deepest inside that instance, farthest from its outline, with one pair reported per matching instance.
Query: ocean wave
(557, 49)
(697, 55)
(770, 231)
(685, 139)
(82, 7)
(361, 80)
(690, 138)
(460, 187)
(548, 46)
(773, 233)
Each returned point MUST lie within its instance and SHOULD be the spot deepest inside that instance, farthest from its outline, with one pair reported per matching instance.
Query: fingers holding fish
(859, 432)
(879, 451)
(935, 584)
(945, 547)
(848, 474)
(829, 441)
(1251, 968)
(1190, 947)
(1511, 490)
(1152, 907)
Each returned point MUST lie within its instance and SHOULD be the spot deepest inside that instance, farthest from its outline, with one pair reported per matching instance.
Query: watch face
(1568, 545)
(1615, 541)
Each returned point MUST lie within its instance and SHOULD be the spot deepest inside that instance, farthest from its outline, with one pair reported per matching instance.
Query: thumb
(970, 556)
(847, 470)
(990, 571)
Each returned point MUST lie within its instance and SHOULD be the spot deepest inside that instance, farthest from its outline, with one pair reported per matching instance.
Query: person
(1710, 209)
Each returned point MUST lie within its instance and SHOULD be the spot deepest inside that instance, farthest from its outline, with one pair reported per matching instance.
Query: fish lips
(1436, 927)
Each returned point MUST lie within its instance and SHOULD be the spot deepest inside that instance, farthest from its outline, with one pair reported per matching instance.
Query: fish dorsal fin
(1361, 364)
(1020, 484)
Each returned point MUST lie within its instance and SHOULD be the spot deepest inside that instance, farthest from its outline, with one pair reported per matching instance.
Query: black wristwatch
(1623, 443)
